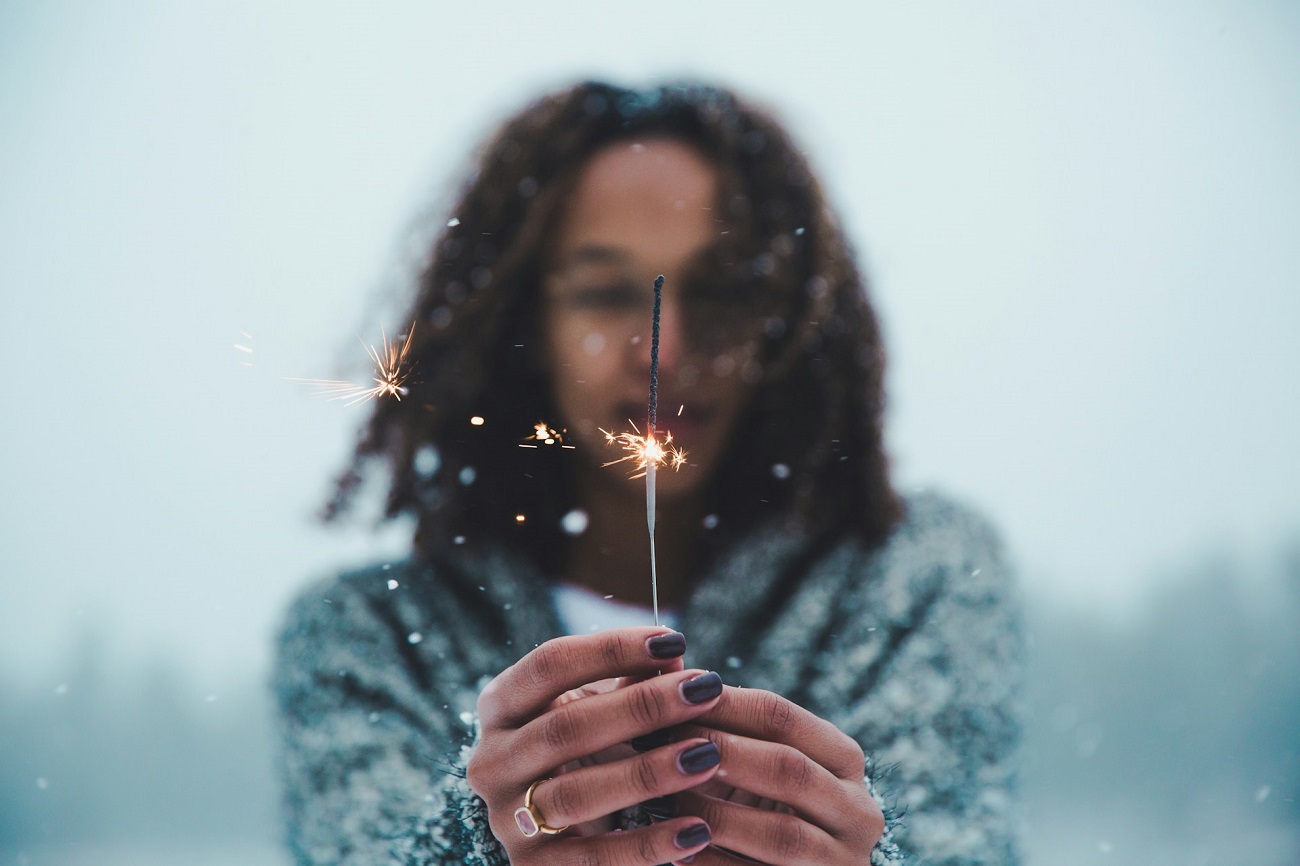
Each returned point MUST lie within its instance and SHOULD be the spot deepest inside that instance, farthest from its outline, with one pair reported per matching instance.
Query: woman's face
(639, 209)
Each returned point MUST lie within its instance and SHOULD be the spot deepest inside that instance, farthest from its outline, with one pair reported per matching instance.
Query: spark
(546, 435)
(247, 350)
(645, 451)
(389, 378)
(476, 420)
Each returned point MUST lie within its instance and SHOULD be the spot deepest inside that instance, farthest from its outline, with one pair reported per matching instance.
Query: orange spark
(645, 451)
(546, 435)
(388, 379)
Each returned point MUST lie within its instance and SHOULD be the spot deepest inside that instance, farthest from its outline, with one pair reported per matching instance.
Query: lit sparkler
(647, 452)
(389, 378)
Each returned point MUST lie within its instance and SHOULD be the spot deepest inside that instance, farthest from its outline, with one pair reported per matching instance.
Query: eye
(607, 296)
(724, 292)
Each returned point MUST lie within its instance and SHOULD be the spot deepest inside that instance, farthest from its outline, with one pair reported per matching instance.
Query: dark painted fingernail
(704, 687)
(653, 740)
(667, 646)
(699, 758)
(692, 836)
(662, 808)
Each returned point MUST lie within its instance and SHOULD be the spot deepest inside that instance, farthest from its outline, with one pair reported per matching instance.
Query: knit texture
(913, 648)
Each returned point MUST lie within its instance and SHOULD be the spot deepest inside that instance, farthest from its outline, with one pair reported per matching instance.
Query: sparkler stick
(647, 452)
(650, 466)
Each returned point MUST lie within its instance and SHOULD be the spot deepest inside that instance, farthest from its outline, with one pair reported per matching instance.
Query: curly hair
(812, 453)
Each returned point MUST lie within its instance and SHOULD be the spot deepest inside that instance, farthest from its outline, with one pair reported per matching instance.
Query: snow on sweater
(913, 648)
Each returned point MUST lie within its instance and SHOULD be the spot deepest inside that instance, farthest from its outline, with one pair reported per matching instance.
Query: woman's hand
(542, 722)
(790, 789)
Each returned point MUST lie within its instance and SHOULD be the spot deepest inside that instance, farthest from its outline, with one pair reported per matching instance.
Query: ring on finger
(529, 817)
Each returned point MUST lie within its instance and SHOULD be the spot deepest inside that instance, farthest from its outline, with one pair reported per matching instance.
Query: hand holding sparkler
(603, 691)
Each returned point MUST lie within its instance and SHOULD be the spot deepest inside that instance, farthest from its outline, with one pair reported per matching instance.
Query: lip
(684, 421)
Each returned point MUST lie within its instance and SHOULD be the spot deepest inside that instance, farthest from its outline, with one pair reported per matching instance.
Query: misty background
(1080, 227)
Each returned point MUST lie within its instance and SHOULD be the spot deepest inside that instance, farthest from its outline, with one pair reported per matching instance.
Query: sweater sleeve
(372, 755)
(928, 670)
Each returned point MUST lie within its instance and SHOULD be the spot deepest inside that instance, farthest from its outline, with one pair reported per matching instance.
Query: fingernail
(662, 808)
(704, 687)
(693, 836)
(697, 759)
(667, 646)
(653, 740)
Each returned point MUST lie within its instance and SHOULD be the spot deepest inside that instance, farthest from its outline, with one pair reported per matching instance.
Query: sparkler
(647, 452)
(388, 379)
(651, 466)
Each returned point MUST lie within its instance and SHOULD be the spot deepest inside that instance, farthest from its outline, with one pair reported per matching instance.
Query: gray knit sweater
(914, 649)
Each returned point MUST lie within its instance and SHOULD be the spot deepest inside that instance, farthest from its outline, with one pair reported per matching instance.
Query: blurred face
(639, 209)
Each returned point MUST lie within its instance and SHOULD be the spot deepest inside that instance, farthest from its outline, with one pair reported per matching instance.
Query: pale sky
(1080, 225)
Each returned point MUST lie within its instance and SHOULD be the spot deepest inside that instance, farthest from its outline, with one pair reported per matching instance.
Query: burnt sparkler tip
(654, 354)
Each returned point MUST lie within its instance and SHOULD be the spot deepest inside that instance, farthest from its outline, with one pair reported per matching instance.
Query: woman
(433, 711)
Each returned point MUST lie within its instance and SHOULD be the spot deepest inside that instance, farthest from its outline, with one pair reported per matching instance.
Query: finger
(526, 688)
(665, 842)
(654, 739)
(593, 792)
(667, 666)
(764, 715)
(783, 774)
(714, 856)
(769, 837)
(584, 727)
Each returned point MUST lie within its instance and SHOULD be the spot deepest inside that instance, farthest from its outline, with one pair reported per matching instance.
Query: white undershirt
(583, 611)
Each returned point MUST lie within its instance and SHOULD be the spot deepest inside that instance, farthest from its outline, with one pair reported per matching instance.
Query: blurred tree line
(113, 758)
(1182, 724)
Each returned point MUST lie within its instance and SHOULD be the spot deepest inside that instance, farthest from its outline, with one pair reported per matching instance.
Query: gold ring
(530, 820)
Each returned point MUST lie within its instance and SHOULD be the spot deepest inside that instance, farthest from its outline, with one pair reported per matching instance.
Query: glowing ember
(544, 434)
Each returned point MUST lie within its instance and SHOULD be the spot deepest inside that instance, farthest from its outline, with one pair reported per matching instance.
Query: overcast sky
(1081, 226)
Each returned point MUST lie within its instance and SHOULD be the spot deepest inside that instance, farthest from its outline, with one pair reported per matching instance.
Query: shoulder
(370, 638)
(942, 547)
(940, 524)
(333, 619)
(937, 530)
(427, 617)
(354, 597)
(373, 612)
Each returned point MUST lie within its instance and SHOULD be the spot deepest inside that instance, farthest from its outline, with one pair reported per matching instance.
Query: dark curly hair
(813, 452)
